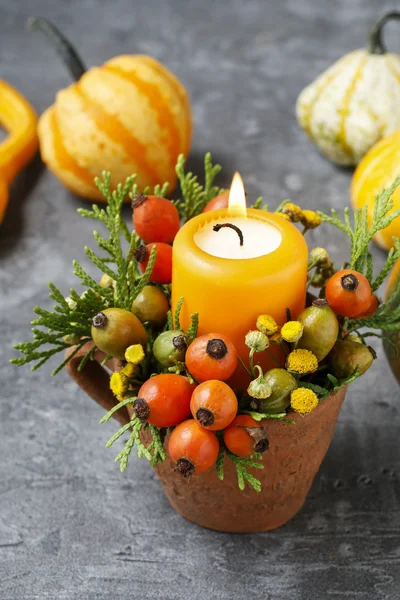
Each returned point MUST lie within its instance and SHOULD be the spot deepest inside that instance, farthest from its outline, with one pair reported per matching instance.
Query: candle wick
(219, 226)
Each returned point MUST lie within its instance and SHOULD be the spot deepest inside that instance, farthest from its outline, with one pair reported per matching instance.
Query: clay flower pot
(290, 465)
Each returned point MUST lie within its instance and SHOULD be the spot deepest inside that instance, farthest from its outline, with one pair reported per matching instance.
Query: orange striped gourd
(130, 115)
(356, 102)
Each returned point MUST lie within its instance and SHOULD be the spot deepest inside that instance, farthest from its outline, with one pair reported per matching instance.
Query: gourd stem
(63, 46)
(376, 45)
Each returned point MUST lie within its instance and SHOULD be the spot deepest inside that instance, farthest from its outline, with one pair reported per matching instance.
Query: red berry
(211, 356)
(162, 271)
(214, 405)
(164, 400)
(348, 293)
(192, 448)
(155, 219)
(372, 307)
(220, 201)
(245, 436)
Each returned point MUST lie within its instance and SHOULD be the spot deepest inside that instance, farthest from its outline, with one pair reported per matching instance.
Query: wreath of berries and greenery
(176, 383)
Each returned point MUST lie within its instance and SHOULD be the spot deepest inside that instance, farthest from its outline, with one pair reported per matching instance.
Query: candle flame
(237, 197)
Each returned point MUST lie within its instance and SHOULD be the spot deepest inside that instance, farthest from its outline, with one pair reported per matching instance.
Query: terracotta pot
(290, 465)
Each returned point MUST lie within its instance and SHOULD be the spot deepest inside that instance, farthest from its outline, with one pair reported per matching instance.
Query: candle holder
(230, 379)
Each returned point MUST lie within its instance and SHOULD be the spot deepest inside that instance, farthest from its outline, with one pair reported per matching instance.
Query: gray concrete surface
(71, 526)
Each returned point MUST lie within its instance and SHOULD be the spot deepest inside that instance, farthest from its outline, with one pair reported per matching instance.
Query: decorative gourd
(377, 170)
(393, 337)
(356, 102)
(19, 119)
(130, 115)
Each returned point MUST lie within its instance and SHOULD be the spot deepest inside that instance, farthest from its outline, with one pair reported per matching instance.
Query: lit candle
(235, 264)
(261, 238)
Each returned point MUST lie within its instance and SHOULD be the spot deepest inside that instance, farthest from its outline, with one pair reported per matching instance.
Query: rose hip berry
(164, 400)
(220, 201)
(211, 356)
(214, 405)
(192, 448)
(245, 436)
(162, 272)
(348, 293)
(155, 219)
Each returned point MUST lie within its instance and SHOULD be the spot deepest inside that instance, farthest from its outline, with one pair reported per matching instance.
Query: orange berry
(164, 400)
(245, 436)
(348, 293)
(213, 404)
(162, 271)
(192, 448)
(211, 356)
(220, 201)
(371, 308)
(155, 219)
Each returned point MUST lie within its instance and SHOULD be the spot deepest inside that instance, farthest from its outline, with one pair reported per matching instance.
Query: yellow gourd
(377, 170)
(130, 115)
(355, 103)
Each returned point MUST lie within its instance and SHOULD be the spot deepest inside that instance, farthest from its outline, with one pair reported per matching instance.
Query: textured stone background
(71, 526)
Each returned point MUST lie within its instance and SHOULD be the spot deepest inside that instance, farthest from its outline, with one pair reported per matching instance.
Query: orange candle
(230, 283)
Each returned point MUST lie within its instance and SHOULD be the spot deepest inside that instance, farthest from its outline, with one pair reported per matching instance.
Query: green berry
(170, 348)
(151, 306)
(347, 355)
(282, 383)
(115, 329)
(320, 329)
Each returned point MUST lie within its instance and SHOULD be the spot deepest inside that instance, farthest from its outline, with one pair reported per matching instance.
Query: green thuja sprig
(159, 190)
(386, 318)
(242, 466)
(220, 464)
(71, 319)
(339, 383)
(331, 384)
(115, 199)
(169, 324)
(282, 205)
(191, 332)
(194, 195)
(361, 233)
(115, 408)
(258, 204)
(128, 281)
(133, 440)
(156, 446)
(154, 451)
(137, 285)
(392, 257)
(178, 313)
